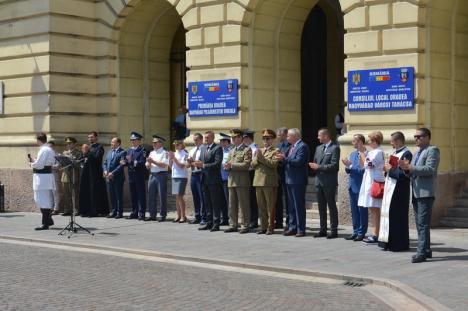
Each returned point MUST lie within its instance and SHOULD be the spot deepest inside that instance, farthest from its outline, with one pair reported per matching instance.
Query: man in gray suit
(325, 165)
(423, 173)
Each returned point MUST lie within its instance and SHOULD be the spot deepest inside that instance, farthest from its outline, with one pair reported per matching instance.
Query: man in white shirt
(157, 162)
(43, 180)
(196, 180)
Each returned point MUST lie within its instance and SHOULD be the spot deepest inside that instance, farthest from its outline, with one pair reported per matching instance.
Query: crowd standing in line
(247, 182)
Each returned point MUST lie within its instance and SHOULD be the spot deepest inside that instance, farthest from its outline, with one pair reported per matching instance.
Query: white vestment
(44, 184)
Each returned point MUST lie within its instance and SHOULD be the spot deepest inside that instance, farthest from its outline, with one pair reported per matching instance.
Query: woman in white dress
(179, 165)
(374, 165)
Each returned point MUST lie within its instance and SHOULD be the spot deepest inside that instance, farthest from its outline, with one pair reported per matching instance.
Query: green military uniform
(238, 185)
(266, 183)
(66, 179)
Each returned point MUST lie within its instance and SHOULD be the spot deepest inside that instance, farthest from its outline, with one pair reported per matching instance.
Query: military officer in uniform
(238, 165)
(135, 161)
(265, 181)
(157, 162)
(72, 152)
(248, 140)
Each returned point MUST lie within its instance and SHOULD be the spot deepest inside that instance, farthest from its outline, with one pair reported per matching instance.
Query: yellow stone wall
(77, 65)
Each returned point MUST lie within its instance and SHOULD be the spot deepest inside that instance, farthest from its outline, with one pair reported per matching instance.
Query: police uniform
(238, 184)
(67, 179)
(157, 184)
(224, 178)
(135, 161)
(266, 182)
(44, 184)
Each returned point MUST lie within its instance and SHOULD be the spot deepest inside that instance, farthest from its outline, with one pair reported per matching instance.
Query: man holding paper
(394, 230)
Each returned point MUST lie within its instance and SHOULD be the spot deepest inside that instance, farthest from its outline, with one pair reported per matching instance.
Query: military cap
(178, 142)
(224, 137)
(135, 136)
(235, 133)
(268, 133)
(248, 133)
(70, 140)
(157, 138)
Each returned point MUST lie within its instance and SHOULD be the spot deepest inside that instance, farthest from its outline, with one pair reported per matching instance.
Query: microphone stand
(72, 226)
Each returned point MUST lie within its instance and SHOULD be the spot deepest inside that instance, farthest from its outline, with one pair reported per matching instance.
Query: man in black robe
(93, 193)
(398, 231)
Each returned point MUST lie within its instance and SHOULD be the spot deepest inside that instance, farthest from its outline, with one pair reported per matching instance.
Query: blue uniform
(136, 180)
(115, 184)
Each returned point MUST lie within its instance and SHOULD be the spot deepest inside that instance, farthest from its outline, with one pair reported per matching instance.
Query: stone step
(458, 212)
(454, 222)
(461, 202)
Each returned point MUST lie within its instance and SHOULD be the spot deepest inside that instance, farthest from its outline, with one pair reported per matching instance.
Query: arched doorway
(296, 65)
(321, 71)
(151, 70)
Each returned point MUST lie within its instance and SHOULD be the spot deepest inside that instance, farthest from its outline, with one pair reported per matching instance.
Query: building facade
(71, 66)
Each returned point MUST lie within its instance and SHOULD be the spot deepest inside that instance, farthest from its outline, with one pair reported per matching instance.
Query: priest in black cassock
(394, 224)
(93, 193)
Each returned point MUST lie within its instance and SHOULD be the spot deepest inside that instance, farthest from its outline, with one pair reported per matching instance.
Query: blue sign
(213, 98)
(381, 89)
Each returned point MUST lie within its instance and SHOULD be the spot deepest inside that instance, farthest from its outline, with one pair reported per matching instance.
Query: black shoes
(151, 218)
(204, 228)
(289, 233)
(162, 219)
(351, 237)
(320, 234)
(141, 218)
(332, 235)
(42, 228)
(358, 238)
(119, 216)
(214, 229)
(110, 216)
(261, 232)
(244, 231)
(231, 229)
(132, 217)
(224, 223)
(418, 259)
(194, 221)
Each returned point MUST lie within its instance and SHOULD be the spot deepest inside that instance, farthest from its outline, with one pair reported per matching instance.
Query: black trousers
(47, 217)
(326, 196)
(253, 201)
(281, 204)
(213, 199)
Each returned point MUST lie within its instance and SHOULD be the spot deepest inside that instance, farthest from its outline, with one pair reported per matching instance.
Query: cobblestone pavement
(442, 278)
(35, 278)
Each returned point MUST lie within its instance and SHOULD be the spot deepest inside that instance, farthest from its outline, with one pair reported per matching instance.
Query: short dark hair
(398, 136)
(42, 137)
(118, 140)
(325, 131)
(209, 132)
(425, 131)
(93, 133)
(198, 135)
(360, 137)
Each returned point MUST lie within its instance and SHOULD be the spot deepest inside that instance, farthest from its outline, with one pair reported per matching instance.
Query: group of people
(236, 182)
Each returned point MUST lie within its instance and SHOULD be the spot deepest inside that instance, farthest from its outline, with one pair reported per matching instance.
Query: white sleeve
(40, 160)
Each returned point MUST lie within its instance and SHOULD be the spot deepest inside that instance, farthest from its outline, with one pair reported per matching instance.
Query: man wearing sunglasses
(423, 173)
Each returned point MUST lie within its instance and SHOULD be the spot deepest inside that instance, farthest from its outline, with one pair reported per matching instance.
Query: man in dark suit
(213, 195)
(296, 177)
(282, 192)
(115, 178)
(423, 173)
(326, 164)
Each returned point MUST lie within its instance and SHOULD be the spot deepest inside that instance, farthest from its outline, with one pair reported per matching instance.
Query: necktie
(206, 151)
(293, 148)
(416, 158)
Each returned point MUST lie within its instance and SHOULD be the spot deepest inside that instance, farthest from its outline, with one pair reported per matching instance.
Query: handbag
(377, 189)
